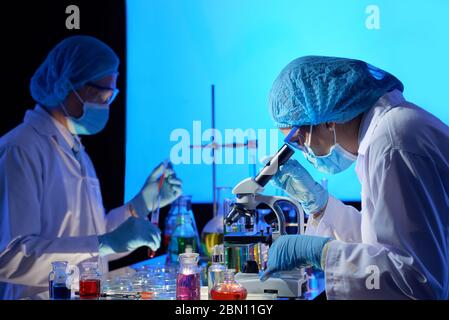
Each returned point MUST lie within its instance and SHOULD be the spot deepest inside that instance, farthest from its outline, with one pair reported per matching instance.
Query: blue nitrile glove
(146, 200)
(130, 235)
(294, 251)
(299, 184)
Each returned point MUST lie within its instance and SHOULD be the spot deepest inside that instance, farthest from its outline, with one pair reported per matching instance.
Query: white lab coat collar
(70, 138)
(373, 116)
(45, 124)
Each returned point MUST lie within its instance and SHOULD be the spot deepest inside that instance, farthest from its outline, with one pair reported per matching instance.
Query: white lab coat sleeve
(338, 221)
(410, 258)
(26, 255)
(116, 217)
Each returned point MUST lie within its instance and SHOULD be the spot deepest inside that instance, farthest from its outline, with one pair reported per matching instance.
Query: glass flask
(229, 289)
(185, 236)
(181, 203)
(90, 281)
(213, 231)
(217, 269)
(188, 279)
(60, 280)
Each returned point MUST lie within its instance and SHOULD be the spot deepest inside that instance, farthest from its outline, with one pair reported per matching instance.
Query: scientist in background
(50, 201)
(340, 111)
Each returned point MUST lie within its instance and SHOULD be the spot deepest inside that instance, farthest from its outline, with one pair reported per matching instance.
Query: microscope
(248, 234)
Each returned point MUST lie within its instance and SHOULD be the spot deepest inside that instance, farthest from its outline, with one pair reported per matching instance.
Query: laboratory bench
(315, 283)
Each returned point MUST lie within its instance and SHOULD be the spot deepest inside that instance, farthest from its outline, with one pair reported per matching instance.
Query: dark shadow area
(30, 29)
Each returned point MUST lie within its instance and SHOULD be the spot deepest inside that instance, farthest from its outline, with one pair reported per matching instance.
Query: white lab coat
(50, 206)
(397, 247)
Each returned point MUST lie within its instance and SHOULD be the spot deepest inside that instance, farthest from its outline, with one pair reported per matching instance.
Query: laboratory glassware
(212, 233)
(217, 269)
(90, 281)
(59, 280)
(228, 289)
(185, 236)
(188, 279)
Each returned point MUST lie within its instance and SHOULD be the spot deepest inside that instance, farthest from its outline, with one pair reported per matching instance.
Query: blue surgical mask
(337, 160)
(93, 120)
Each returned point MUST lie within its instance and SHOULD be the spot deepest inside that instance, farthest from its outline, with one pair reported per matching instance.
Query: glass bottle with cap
(59, 280)
(217, 268)
(90, 280)
(188, 279)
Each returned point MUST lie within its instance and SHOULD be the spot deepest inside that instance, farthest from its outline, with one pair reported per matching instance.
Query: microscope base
(290, 284)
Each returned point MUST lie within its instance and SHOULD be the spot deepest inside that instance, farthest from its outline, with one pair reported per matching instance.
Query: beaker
(188, 279)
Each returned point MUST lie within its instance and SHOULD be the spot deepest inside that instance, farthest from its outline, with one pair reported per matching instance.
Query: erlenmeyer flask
(185, 236)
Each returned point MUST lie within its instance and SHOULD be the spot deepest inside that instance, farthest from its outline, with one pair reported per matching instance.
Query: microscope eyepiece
(270, 169)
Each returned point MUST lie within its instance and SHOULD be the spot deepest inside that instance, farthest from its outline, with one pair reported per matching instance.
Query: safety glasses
(104, 94)
(295, 139)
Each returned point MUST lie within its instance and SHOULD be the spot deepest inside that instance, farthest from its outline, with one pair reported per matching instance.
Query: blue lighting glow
(177, 49)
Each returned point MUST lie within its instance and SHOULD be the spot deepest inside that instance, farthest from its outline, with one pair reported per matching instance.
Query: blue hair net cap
(311, 90)
(73, 62)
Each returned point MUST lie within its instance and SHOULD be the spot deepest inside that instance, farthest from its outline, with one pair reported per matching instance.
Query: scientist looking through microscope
(338, 111)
